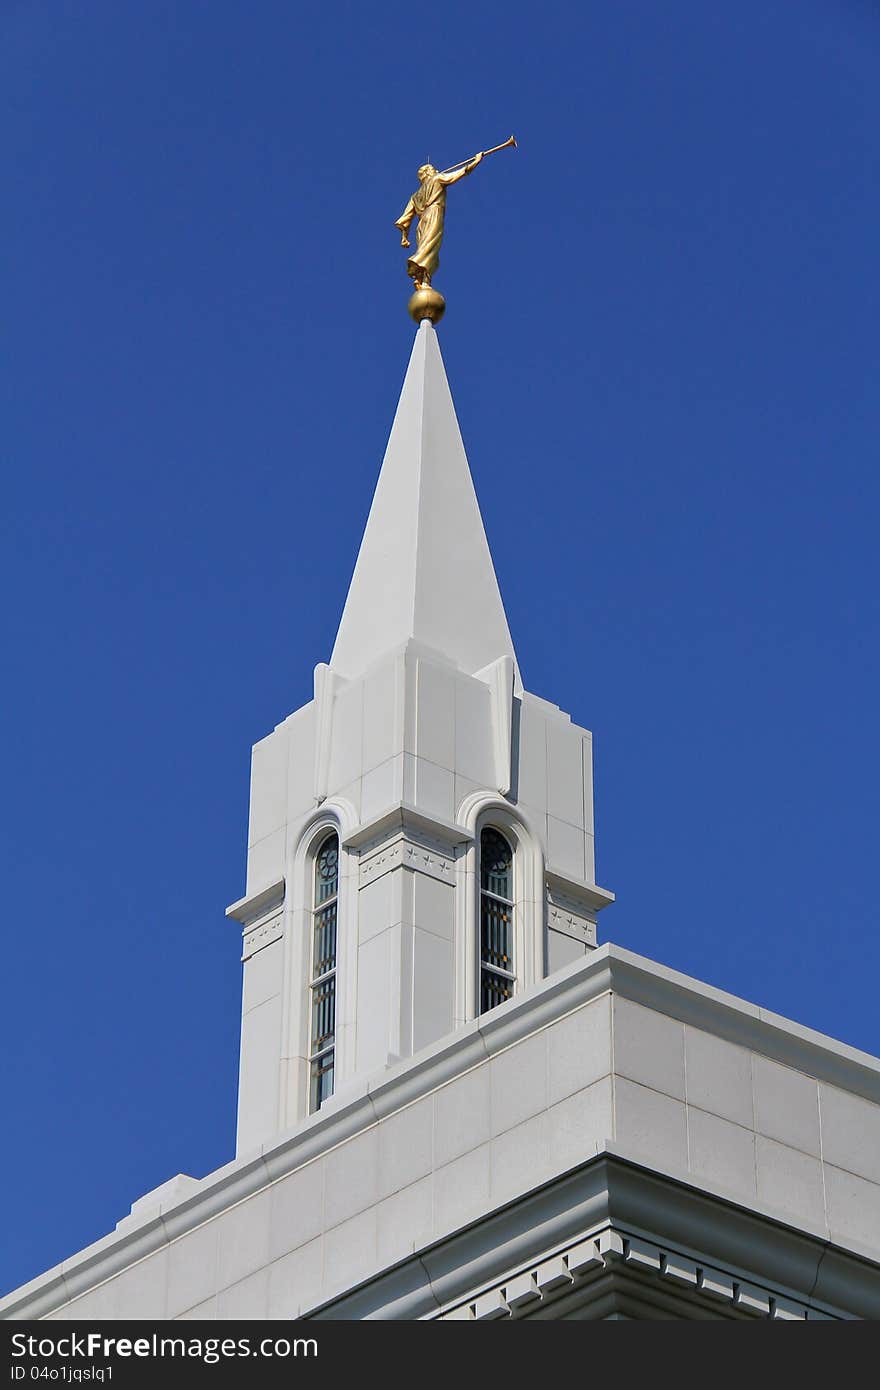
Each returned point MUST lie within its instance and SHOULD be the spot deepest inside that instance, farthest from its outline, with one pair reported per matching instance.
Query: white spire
(424, 570)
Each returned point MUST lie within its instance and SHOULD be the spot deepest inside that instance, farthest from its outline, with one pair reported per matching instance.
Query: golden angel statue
(428, 204)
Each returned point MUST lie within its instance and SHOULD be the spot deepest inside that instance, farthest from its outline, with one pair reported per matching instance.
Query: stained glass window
(322, 1025)
(497, 977)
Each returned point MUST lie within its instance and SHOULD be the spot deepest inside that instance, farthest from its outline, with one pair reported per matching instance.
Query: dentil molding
(565, 1271)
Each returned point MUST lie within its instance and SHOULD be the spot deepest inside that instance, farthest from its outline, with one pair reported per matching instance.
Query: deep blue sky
(662, 339)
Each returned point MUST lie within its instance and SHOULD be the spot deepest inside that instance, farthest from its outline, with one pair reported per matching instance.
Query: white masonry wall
(613, 1054)
(416, 729)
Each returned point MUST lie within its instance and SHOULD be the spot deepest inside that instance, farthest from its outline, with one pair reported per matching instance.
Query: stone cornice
(588, 894)
(405, 817)
(261, 916)
(248, 910)
(613, 1213)
(572, 1271)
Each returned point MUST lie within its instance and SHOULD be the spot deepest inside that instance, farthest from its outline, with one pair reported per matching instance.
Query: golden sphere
(427, 303)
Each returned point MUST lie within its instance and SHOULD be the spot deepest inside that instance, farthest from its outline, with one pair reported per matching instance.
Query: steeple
(424, 572)
(421, 832)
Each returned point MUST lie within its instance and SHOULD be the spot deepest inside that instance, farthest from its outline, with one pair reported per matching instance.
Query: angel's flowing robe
(428, 203)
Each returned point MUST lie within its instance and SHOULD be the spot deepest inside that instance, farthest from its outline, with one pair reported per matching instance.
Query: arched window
(322, 1035)
(497, 977)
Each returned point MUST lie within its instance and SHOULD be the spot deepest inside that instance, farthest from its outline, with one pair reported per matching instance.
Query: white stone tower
(419, 757)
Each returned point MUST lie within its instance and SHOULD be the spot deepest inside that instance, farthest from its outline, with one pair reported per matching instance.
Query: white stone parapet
(723, 1136)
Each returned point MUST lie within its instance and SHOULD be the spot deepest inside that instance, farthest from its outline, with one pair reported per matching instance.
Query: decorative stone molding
(429, 830)
(261, 917)
(577, 896)
(262, 934)
(566, 915)
(405, 851)
(500, 677)
(610, 1249)
(325, 686)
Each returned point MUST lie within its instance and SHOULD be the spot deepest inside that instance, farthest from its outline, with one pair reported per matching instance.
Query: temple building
(453, 1102)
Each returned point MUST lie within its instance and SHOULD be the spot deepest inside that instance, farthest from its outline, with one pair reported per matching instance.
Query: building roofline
(608, 969)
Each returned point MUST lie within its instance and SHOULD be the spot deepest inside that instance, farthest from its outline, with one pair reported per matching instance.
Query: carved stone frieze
(410, 852)
(261, 933)
(565, 914)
